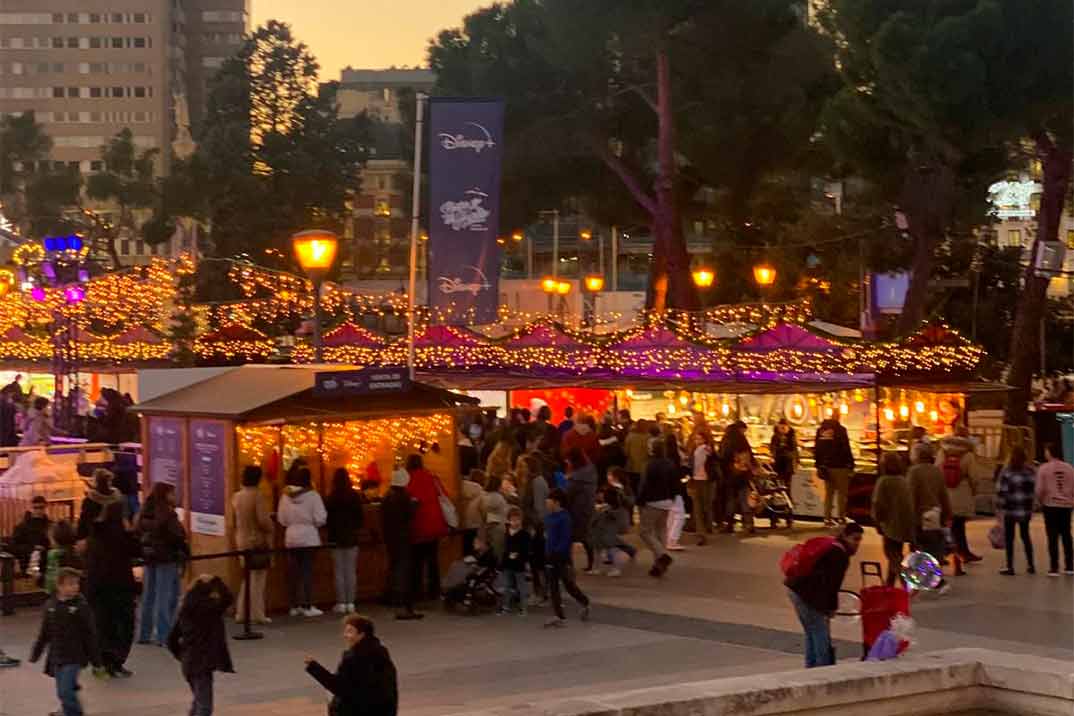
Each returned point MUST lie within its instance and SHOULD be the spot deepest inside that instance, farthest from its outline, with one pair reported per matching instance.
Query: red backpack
(800, 559)
(952, 471)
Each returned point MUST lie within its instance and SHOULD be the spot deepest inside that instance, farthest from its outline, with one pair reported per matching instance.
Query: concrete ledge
(940, 682)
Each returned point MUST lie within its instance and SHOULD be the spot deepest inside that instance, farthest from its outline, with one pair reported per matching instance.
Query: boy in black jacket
(516, 555)
(365, 683)
(199, 639)
(67, 630)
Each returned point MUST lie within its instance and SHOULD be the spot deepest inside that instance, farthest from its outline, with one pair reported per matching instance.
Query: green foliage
(273, 156)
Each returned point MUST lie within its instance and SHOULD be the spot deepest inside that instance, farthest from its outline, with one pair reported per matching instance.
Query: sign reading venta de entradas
(362, 382)
(465, 152)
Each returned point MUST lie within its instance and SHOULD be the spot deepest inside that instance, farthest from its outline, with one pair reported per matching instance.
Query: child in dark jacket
(557, 530)
(68, 632)
(516, 555)
(199, 640)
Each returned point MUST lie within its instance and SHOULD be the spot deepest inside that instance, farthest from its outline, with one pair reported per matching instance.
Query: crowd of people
(27, 419)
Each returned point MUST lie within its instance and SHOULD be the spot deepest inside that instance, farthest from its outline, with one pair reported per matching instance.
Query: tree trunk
(1025, 338)
(927, 200)
(670, 284)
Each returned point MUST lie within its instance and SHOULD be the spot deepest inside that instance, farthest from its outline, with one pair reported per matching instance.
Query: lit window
(1014, 238)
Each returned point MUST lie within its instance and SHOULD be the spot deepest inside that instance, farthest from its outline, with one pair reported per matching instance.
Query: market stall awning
(785, 336)
(282, 393)
(349, 334)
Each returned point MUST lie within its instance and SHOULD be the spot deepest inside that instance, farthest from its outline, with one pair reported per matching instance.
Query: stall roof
(262, 393)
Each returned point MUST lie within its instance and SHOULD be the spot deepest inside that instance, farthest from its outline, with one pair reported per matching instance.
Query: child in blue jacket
(558, 541)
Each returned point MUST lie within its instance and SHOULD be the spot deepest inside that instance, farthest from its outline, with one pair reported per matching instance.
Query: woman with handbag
(1015, 493)
(253, 530)
(164, 548)
(429, 527)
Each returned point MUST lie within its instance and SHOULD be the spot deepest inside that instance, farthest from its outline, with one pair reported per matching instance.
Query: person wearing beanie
(396, 520)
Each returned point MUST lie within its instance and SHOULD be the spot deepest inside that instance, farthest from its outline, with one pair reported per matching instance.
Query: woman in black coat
(345, 519)
(110, 585)
(365, 682)
(396, 518)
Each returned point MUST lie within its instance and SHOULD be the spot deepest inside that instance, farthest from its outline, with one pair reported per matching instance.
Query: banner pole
(415, 215)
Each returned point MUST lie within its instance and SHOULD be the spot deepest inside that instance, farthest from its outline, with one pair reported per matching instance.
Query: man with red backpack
(814, 573)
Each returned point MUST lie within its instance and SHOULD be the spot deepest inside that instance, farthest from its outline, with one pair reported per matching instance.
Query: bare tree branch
(630, 181)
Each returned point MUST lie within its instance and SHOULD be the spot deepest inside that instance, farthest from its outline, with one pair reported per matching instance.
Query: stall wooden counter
(200, 437)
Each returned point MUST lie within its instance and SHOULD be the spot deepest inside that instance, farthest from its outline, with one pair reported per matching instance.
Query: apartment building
(90, 68)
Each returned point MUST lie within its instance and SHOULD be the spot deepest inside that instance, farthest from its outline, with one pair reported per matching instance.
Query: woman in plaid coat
(1014, 500)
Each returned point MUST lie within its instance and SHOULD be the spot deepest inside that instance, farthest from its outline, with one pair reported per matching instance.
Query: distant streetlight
(594, 283)
(563, 287)
(316, 252)
(585, 234)
(549, 284)
(704, 277)
(764, 274)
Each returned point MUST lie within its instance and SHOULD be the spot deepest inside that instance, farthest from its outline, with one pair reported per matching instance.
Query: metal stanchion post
(7, 584)
(247, 632)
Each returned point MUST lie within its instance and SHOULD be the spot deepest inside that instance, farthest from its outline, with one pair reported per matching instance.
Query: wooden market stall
(199, 438)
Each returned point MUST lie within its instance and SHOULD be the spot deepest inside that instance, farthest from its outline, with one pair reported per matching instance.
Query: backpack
(800, 559)
(952, 471)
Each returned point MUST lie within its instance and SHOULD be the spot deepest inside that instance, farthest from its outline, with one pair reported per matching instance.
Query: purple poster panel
(465, 151)
(166, 453)
(208, 477)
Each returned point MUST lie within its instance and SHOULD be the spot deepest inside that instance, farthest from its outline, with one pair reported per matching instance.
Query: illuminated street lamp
(316, 252)
(594, 283)
(563, 287)
(764, 274)
(704, 277)
(549, 284)
(585, 234)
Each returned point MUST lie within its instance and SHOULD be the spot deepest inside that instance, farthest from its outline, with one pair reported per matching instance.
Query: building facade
(376, 254)
(88, 69)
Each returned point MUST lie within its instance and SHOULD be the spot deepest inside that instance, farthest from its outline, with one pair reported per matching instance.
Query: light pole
(316, 251)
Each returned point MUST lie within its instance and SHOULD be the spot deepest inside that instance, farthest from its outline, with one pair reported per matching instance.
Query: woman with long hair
(164, 549)
(345, 519)
(301, 512)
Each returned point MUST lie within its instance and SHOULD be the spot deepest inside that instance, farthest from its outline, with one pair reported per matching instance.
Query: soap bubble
(921, 571)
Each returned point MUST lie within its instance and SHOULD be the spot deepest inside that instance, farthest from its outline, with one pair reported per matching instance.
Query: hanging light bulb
(919, 407)
(684, 399)
(725, 409)
(844, 409)
(904, 411)
(889, 414)
(671, 408)
(934, 416)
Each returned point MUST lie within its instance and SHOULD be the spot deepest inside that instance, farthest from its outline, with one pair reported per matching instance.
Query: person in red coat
(428, 528)
(584, 437)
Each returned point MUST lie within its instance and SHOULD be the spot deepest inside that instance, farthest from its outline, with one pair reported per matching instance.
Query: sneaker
(121, 673)
(312, 612)
(1069, 572)
(296, 611)
(7, 662)
(340, 608)
(614, 573)
(1053, 572)
(1007, 572)
(584, 614)
(555, 623)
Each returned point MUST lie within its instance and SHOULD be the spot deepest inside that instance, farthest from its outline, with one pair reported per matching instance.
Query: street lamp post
(316, 251)
(764, 274)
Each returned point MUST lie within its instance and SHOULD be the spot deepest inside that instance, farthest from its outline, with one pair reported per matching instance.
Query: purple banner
(465, 152)
(166, 454)
(208, 477)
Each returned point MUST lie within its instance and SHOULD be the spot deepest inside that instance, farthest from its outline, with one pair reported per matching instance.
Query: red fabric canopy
(348, 334)
(786, 335)
(447, 337)
(542, 336)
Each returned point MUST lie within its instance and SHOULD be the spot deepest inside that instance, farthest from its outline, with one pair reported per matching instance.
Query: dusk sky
(368, 34)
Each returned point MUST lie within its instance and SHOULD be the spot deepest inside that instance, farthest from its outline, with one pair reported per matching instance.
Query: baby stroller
(472, 585)
(772, 499)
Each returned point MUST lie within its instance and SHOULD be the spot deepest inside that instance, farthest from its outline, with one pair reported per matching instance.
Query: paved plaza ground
(720, 611)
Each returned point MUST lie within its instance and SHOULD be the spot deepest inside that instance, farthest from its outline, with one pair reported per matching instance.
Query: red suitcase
(878, 605)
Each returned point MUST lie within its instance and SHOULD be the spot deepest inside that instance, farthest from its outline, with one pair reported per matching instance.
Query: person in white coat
(301, 511)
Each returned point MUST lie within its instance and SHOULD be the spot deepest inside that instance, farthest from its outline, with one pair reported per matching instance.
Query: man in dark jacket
(68, 632)
(365, 682)
(199, 639)
(8, 436)
(656, 495)
(835, 464)
(396, 520)
(32, 533)
(816, 595)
